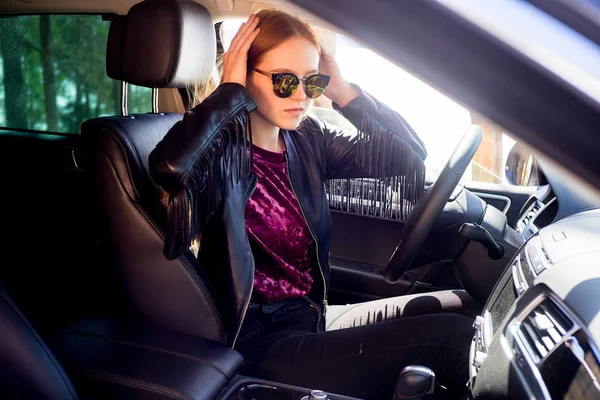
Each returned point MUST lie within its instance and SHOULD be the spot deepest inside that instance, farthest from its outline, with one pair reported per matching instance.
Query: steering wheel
(431, 205)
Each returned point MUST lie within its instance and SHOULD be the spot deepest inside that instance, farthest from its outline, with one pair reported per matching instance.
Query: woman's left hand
(339, 90)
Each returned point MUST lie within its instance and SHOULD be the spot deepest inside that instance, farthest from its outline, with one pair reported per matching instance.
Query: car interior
(91, 308)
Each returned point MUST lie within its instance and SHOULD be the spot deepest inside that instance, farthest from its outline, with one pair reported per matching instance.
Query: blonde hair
(200, 90)
(275, 27)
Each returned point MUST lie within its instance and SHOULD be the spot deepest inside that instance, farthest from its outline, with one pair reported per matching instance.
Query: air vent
(529, 216)
(544, 328)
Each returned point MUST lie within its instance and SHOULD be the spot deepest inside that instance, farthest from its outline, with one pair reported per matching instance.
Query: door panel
(362, 245)
(364, 240)
(53, 276)
(360, 249)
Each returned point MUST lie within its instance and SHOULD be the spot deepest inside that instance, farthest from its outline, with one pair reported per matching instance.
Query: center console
(108, 359)
(530, 341)
(246, 388)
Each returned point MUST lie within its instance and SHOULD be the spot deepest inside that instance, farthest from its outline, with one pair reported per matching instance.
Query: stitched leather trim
(138, 384)
(41, 343)
(153, 348)
(194, 274)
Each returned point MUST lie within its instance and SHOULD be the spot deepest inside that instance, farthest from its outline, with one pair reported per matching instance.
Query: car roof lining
(242, 8)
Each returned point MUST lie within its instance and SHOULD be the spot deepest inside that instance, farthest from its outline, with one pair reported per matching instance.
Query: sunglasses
(286, 84)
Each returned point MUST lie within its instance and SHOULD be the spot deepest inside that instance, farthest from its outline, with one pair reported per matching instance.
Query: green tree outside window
(53, 73)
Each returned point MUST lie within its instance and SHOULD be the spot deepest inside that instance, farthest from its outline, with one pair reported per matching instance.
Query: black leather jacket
(204, 163)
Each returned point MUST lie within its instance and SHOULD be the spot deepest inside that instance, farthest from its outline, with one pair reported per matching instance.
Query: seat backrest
(159, 43)
(28, 369)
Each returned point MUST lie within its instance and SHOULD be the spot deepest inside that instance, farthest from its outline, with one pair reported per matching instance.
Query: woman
(245, 171)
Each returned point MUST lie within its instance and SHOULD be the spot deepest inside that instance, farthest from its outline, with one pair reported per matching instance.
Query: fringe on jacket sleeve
(384, 153)
(378, 170)
(225, 159)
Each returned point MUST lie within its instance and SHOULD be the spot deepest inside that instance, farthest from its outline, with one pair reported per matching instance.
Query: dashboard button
(559, 236)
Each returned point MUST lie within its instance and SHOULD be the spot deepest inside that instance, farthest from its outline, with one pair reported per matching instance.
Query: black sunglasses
(285, 84)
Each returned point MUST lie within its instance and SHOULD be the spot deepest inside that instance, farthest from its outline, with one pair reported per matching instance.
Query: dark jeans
(282, 343)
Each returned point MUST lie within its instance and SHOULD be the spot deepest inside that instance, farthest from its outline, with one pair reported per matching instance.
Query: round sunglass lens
(315, 86)
(285, 85)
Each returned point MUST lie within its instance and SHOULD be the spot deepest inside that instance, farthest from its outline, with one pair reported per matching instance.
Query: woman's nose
(299, 93)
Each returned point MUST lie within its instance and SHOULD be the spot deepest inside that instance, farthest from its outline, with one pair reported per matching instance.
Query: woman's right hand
(235, 60)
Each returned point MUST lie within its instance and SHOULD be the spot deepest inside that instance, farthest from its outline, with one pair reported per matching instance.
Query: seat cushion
(28, 369)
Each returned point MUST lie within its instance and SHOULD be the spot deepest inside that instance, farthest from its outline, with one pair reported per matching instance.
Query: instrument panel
(536, 336)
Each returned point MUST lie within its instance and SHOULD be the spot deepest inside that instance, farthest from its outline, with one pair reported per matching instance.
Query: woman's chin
(289, 124)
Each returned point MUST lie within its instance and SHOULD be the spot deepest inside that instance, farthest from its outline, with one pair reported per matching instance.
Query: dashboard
(537, 335)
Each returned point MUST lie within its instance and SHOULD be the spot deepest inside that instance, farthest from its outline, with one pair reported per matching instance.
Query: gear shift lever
(414, 382)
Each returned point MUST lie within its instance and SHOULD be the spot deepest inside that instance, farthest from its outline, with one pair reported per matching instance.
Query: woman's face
(296, 55)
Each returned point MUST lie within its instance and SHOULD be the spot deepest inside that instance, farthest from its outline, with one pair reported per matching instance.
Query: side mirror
(521, 167)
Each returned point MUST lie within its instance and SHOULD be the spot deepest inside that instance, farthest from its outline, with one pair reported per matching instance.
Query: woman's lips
(294, 111)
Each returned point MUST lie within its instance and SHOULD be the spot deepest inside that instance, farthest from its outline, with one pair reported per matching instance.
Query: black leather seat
(28, 369)
(108, 359)
(159, 43)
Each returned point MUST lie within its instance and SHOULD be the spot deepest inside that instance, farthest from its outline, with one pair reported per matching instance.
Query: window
(438, 120)
(53, 73)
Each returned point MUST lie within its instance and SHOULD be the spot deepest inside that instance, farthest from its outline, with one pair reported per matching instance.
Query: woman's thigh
(365, 361)
(261, 329)
(445, 301)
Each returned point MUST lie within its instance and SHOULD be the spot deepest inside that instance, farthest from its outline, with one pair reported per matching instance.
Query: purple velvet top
(282, 245)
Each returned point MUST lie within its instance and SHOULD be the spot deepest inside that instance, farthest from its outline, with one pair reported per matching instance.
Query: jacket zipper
(311, 233)
(246, 303)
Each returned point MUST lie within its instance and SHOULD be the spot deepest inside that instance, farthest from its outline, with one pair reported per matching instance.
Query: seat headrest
(162, 43)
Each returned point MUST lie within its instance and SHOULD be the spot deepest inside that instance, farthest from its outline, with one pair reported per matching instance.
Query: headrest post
(124, 96)
(155, 100)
